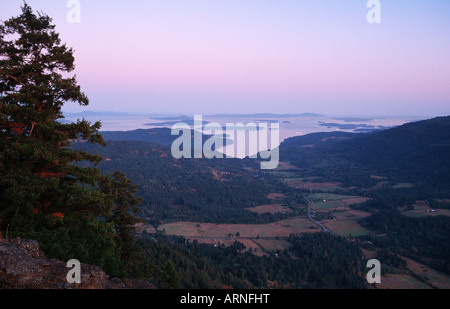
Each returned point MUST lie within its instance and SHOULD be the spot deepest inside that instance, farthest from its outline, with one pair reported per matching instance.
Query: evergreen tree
(45, 193)
(124, 214)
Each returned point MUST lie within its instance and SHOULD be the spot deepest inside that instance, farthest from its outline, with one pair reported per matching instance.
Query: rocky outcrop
(24, 266)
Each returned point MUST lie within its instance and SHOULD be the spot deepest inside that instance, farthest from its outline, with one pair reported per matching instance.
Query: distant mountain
(182, 117)
(267, 115)
(157, 135)
(417, 152)
(92, 113)
(263, 117)
(358, 127)
(160, 136)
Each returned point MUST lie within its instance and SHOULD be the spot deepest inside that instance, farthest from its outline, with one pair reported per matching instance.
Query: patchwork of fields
(272, 236)
(340, 218)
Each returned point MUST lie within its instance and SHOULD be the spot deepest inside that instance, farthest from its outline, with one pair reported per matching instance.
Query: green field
(403, 185)
(426, 211)
(345, 222)
(347, 228)
(273, 245)
(326, 201)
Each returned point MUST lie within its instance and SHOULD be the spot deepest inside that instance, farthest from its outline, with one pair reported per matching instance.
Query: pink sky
(258, 56)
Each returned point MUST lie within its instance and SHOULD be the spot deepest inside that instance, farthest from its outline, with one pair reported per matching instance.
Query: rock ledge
(24, 266)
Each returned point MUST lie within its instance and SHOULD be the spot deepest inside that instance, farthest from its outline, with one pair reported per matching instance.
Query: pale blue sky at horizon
(257, 56)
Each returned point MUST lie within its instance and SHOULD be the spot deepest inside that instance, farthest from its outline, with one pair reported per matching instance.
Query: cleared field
(300, 183)
(284, 174)
(400, 281)
(346, 228)
(354, 200)
(211, 230)
(403, 185)
(285, 166)
(276, 196)
(350, 215)
(423, 210)
(332, 196)
(380, 185)
(345, 221)
(272, 245)
(333, 201)
(434, 277)
(270, 208)
(327, 204)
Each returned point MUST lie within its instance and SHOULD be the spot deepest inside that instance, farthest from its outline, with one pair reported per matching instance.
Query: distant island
(106, 113)
(354, 119)
(361, 127)
(267, 115)
(174, 117)
(263, 117)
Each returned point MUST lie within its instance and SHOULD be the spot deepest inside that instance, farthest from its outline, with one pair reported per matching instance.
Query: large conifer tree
(44, 193)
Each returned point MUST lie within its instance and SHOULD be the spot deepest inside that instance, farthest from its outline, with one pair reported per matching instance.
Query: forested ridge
(204, 190)
(417, 152)
(425, 239)
(314, 261)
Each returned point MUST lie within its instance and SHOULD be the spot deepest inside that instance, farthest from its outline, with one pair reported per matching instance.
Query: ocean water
(286, 126)
(289, 126)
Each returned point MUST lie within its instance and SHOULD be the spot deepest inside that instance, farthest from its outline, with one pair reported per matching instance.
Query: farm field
(346, 223)
(257, 247)
(436, 278)
(334, 201)
(276, 196)
(403, 185)
(301, 183)
(270, 208)
(345, 219)
(260, 238)
(418, 276)
(289, 175)
(421, 209)
(429, 278)
(346, 228)
(401, 281)
(211, 230)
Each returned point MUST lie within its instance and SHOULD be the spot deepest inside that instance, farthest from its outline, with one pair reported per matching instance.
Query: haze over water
(289, 125)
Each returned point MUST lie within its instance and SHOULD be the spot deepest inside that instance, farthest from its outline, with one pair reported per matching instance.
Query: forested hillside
(204, 190)
(395, 168)
(314, 261)
(417, 152)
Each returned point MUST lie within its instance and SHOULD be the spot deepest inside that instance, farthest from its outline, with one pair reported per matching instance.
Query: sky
(256, 56)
